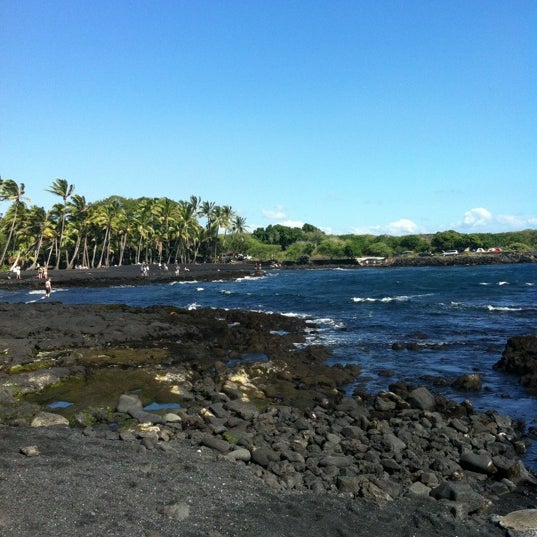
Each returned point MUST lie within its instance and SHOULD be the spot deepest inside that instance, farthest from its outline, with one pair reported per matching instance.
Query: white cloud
(486, 222)
(478, 217)
(292, 223)
(404, 226)
(517, 223)
(277, 214)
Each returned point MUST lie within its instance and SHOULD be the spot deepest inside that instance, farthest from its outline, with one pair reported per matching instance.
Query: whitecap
(293, 314)
(503, 283)
(193, 306)
(502, 308)
(249, 278)
(200, 289)
(385, 300)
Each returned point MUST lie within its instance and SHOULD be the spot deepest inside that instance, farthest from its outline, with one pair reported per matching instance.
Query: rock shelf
(283, 425)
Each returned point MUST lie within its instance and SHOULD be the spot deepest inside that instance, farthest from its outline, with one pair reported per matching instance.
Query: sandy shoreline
(127, 275)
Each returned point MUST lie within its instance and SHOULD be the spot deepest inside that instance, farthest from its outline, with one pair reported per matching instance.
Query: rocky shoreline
(258, 410)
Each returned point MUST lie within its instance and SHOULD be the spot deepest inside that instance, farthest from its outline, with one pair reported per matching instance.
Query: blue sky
(364, 116)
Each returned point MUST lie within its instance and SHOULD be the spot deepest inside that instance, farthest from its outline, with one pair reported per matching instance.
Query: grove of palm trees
(123, 231)
(114, 231)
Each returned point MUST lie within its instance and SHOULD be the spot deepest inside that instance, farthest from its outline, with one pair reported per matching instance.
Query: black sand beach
(113, 475)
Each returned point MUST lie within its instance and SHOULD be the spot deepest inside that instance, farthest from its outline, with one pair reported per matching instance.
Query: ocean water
(460, 318)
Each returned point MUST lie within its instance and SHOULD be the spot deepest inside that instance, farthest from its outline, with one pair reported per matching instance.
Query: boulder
(422, 398)
(218, 444)
(461, 493)
(469, 383)
(478, 462)
(520, 357)
(129, 402)
(30, 451)
(523, 520)
(392, 443)
(264, 456)
(240, 454)
(419, 490)
(48, 419)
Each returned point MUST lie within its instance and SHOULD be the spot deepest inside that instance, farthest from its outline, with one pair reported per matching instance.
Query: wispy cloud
(292, 223)
(278, 213)
(483, 220)
(403, 226)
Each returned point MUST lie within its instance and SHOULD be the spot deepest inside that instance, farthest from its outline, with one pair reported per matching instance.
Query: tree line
(119, 231)
(310, 242)
(114, 231)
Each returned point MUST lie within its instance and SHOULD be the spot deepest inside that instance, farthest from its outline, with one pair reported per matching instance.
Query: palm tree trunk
(75, 253)
(11, 230)
(100, 264)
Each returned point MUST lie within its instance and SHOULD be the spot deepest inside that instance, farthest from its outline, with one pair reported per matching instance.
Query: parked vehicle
(450, 252)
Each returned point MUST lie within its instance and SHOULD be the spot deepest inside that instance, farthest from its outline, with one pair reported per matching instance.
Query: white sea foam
(200, 288)
(226, 292)
(293, 314)
(484, 283)
(385, 300)
(42, 291)
(193, 306)
(503, 283)
(502, 308)
(249, 278)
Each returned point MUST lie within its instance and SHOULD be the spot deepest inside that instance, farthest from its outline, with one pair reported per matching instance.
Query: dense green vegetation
(113, 231)
(311, 243)
(118, 230)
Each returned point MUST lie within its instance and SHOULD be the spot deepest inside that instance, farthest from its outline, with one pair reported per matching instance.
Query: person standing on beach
(48, 288)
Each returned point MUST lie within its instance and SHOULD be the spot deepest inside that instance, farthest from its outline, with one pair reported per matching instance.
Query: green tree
(11, 191)
(61, 188)
(379, 249)
(447, 240)
(332, 248)
(416, 243)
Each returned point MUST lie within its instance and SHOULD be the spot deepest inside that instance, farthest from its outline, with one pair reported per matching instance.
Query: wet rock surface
(265, 441)
(520, 358)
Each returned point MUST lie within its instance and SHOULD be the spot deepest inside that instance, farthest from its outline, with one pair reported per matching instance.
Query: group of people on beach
(42, 274)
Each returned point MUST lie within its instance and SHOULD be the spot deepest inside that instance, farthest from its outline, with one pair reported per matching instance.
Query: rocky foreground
(266, 442)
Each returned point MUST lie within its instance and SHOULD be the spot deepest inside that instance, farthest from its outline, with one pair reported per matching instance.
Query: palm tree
(10, 191)
(144, 222)
(167, 215)
(61, 188)
(238, 228)
(225, 218)
(77, 227)
(187, 232)
(107, 217)
(36, 223)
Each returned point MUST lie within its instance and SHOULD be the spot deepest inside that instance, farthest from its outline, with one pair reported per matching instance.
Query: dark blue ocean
(460, 316)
